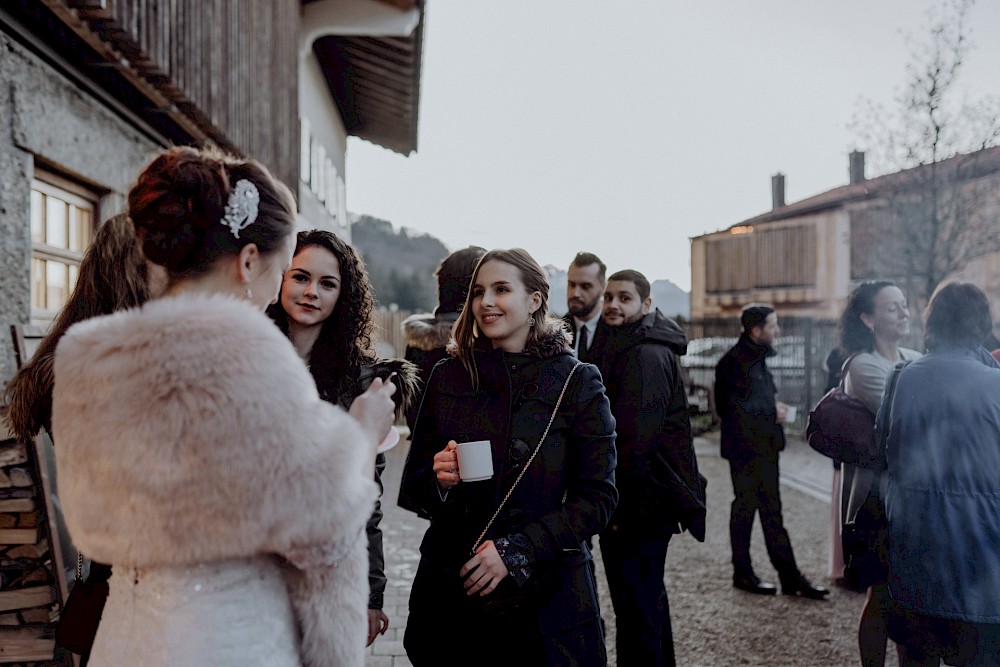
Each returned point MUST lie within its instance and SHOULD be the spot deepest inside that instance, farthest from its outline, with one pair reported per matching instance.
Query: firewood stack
(29, 597)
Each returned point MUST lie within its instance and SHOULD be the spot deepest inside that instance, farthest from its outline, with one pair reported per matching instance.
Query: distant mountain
(667, 296)
(400, 263)
(670, 299)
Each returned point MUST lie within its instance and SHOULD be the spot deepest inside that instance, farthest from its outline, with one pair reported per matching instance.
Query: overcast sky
(625, 127)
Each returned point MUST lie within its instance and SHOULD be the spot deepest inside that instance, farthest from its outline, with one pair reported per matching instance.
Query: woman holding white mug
(505, 569)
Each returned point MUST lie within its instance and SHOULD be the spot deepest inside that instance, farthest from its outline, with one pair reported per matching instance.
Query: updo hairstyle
(179, 201)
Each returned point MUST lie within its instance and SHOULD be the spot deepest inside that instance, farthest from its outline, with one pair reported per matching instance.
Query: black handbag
(81, 614)
(866, 544)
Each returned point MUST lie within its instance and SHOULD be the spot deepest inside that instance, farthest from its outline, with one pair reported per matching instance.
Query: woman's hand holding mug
(446, 466)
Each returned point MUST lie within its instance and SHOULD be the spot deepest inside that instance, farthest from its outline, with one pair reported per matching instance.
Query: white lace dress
(227, 614)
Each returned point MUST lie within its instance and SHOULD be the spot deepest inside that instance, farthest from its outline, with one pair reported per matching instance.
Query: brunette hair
(583, 259)
(754, 315)
(344, 343)
(636, 278)
(112, 276)
(454, 274)
(957, 315)
(855, 336)
(179, 201)
(466, 332)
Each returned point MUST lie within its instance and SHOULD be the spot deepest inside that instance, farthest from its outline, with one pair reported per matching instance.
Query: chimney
(777, 191)
(856, 167)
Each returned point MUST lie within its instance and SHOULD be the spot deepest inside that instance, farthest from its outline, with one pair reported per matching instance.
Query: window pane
(37, 211)
(55, 222)
(37, 283)
(79, 229)
(86, 217)
(74, 229)
(55, 284)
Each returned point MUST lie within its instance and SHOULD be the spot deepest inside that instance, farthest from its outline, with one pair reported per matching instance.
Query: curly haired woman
(326, 308)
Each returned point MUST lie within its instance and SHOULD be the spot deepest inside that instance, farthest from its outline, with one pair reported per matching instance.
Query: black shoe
(802, 586)
(751, 583)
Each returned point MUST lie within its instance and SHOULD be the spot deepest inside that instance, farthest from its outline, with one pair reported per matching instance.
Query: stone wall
(48, 120)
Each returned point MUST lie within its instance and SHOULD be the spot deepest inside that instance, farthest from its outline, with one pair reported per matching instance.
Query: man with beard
(584, 286)
(752, 437)
(660, 490)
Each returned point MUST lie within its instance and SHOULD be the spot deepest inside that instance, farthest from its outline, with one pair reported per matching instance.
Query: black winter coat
(657, 476)
(566, 496)
(745, 400)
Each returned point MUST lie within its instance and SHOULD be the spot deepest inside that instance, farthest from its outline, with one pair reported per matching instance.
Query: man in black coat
(752, 437)
(660, 490)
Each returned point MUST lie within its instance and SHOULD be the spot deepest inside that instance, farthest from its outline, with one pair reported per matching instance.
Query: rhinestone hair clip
(241, 211)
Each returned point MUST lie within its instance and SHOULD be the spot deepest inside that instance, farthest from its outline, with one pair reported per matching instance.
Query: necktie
(581, 346)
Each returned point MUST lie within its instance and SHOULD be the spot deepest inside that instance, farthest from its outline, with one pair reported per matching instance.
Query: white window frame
(57, 187)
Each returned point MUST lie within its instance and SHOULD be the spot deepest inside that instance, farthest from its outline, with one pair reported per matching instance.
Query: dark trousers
(634, 568)
(755, 486)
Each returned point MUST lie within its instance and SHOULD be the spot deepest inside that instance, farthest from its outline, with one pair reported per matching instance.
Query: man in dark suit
(584, 287)
(752, 437)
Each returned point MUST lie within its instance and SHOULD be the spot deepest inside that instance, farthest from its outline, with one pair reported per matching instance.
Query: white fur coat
(189, 431)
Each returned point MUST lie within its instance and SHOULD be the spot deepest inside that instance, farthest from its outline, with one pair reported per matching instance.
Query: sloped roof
(969, 165)
(375, 82)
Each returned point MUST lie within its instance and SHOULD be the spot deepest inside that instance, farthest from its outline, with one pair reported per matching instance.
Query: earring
(531, 320)
(249, 293)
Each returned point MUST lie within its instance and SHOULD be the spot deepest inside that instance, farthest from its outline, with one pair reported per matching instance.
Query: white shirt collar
(591, 324)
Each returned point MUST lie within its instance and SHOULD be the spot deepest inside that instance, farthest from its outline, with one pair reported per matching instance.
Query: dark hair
(454, 274)
(633, 276)
(957, 315)
(179, 201)
(855, 335)
(344, 343)
(586, 259)
(754, 315)
(533, 277)
(112, 276)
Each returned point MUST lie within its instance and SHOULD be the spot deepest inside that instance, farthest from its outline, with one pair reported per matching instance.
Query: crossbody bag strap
(844, 368)
(538, 447)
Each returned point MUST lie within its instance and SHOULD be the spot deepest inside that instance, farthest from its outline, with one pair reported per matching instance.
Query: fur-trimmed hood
(428, 332)
(190, 431)
(407, 380)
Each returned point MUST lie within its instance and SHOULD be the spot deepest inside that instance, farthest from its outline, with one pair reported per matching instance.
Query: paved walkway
(712, 622)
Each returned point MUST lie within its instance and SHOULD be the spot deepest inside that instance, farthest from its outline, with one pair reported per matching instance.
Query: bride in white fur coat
(195, 454)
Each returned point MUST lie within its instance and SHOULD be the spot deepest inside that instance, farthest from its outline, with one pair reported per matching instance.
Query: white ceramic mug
(475, 460)
(790, 413)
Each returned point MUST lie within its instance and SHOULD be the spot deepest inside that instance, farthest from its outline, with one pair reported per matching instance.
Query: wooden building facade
(805, 258)
(90, 90)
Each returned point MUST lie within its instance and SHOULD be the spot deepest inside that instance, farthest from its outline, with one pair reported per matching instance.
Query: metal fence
(799, 367)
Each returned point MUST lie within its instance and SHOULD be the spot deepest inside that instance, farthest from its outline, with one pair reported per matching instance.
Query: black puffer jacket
(567, 494)
(745, 399)
(657, 476)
